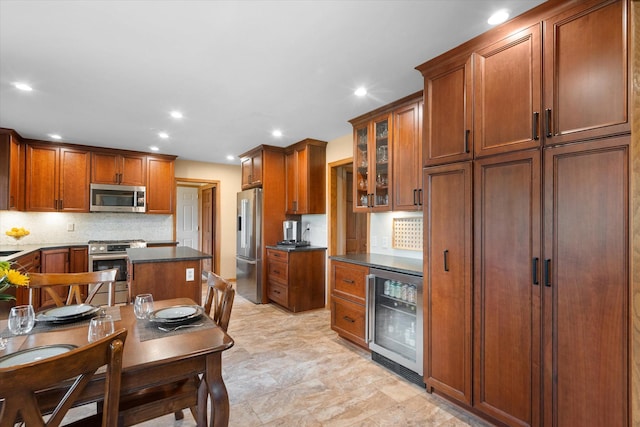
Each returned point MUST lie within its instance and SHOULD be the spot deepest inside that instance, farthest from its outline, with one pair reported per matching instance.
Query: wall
(51, 227)
(230, 179)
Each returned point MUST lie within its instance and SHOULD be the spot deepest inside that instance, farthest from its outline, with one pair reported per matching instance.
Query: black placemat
(149, 330)
(114, 312)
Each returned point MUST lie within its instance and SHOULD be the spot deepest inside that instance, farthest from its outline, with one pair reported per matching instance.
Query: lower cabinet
(295, 279)
(348, 301)
(61, 260)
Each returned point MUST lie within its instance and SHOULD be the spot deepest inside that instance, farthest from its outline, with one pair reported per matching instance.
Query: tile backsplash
(56, 227)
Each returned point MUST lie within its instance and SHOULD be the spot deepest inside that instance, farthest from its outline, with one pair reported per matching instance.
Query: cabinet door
(54, 261)
(361, 168)
(291, 169)
(448, 270)
(105, 168)
(134, 170)
(41, 178)
(586, 317)
(507, 94)
(586, 72)
(246, 168)
(160, 186)
(407, 158)
(74, 170)
(10, 197)
(256, 169)
(380, 161)
(506, 292)
(448, 113)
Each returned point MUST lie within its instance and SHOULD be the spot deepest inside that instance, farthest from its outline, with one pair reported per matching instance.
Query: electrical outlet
(374, 241)
(190, 274)
(71, 227)
(385, 242)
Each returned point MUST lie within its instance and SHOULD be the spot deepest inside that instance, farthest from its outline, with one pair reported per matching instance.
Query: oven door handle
(100, 257)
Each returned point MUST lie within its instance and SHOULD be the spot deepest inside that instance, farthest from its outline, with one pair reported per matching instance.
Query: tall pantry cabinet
(538, 130)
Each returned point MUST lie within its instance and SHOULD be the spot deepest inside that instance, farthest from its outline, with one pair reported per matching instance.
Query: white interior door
(187, 232)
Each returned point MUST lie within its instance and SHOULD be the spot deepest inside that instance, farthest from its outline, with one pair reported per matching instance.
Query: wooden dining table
(150, 362)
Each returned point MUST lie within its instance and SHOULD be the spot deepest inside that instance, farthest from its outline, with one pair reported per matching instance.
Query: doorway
(197, 220)
(348, 229)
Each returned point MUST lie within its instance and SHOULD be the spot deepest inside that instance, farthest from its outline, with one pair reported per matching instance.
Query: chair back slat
(219, 300)
(50, 281)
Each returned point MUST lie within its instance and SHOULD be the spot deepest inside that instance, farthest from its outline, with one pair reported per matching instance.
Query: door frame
(203, 184)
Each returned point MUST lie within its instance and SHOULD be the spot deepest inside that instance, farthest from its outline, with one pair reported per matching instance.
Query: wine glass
(100, 327)
(21, 319)
(143, 306)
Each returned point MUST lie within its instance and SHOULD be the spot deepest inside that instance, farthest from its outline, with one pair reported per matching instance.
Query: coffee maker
(292, 234)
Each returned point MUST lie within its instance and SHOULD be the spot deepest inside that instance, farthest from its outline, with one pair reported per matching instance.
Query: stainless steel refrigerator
(249, 245)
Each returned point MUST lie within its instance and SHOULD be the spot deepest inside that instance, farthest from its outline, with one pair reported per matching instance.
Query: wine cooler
(395, 322)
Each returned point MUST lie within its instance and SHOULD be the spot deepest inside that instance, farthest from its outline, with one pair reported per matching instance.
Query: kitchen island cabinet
(295, 277)
(165, 272)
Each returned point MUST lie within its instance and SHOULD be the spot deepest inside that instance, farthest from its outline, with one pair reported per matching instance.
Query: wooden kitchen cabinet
(507, 191)
(305, 166)
(28, 263)
(11, 169)
(251, 167)
(372, 153)
(53, 261)
(448, 111)
(585, 284)
(160, 185)
(348, 301)
(407, 156)
(586, 72)
(448, 294)
(295, 279)
(57, 178)
(118, 168)
(507, 94)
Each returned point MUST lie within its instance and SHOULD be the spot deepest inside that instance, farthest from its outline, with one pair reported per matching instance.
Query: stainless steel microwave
(118, 198)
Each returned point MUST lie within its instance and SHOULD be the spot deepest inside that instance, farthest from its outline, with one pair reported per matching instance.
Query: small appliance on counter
(292, 232)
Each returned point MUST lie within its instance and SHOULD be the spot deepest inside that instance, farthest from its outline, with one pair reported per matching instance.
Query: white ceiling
(107, 73)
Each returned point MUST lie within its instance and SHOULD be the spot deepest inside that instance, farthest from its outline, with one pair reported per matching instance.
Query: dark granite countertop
(384, 262)
(296, 249)
(164, 254)
(24, 249)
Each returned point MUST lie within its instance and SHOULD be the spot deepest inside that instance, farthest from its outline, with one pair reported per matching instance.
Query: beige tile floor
(292, 370)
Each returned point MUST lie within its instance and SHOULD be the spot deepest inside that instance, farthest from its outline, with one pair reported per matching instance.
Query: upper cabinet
(57, 178)
(493, 94)
(586, 81)
(251, 166)
(160, 185)
(10, 171)
(114, 168)
(407, 157)
(305, 165)
(387, 147)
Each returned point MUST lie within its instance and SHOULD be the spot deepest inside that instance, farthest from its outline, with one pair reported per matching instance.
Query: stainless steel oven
(108, 254)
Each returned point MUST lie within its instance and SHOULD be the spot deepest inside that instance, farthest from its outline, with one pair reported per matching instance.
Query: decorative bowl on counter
(17, 232)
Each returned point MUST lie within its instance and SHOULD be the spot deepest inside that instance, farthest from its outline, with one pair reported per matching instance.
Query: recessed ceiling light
(163, 135)
(498, 17)
(23, 86)
(277, 133)
(176, 114)
(361, 91)
(230, 157)
(54, 136)
(154, 148)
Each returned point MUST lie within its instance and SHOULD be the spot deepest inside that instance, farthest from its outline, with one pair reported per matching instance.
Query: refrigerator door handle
(247, 261)
(370, 306)
(244, 207)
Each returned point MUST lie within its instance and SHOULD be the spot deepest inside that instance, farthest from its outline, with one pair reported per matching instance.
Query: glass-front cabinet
(372, 165)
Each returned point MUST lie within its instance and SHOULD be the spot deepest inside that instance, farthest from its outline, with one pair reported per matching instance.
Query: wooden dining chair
(52, 283)
(19, 384)
(185, 393)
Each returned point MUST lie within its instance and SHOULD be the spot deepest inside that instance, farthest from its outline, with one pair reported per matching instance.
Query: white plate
(178, 313)
(76, 310)
(34, 354)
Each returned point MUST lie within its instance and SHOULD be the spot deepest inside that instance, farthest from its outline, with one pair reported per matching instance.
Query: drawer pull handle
(276, 292)
(349, 319)
(276, 271)
(349, 281)
(446, 260)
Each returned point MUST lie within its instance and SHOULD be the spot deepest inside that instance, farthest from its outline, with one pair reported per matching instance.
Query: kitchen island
(165, 272)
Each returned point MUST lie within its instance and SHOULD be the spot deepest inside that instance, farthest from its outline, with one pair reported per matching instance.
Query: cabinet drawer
(350, 280)
(278, 293)
(348, 319)
(278, 271)
(277, 255)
